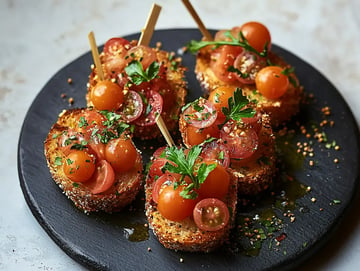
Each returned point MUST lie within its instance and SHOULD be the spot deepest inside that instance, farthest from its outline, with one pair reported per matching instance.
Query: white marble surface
(39, 37)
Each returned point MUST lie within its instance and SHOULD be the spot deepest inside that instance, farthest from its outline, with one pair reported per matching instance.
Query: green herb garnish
(137, 75)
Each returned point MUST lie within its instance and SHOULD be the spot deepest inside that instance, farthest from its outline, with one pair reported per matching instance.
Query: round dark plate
(104, 241)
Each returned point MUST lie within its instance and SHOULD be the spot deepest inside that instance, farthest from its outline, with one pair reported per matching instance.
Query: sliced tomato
(153, 105)
(242, 141)
(248, 64)
(211, 214)
(142, 53)
(102, 179)
(115, 45)
(155, 169)
(163, 181)
(98, 149)
(216, 151)
(160, 152)
(200, 113)
(172, 205)
(133, 107)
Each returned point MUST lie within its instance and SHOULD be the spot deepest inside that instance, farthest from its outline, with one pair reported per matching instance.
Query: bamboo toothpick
(198, 21)
(148, 30)
(96, 57)
(165, 132)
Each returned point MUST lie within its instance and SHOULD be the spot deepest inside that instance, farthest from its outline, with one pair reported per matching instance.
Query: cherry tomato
(160, 152)
(222, 58)
(242, 141)
(219, 97)
(156, 167)
(68, 138)
(133, 106)
(97, 148)
(142, 53)
(196, 136)
(257, 35)
(115, 45)
(255, 121)
(163, 87)
(107, 95)
(211, 214)
(271, 82)
(163, 181)
(173, 206)
(248, 64)
(79, 166)
(121, 154)
(200, 114)
(216, 151)
(216, 184)
(102, 179)
(152, 106)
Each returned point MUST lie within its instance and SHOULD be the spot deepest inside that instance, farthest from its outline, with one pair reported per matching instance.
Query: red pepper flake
(281, 237)
(69, 80)
(63, 95)
(71, 100)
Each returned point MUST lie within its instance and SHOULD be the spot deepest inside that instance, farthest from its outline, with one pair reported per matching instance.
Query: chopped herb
(75, 185)
(69, 161)
(336, 201)
(288, 72)
(58, 161)
(242, 75)
(83, 122)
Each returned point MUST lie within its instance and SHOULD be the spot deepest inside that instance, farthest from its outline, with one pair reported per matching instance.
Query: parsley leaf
(137, 75)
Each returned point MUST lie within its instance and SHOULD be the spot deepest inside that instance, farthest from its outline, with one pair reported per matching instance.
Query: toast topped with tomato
(235, 133)
(190, 199)
(139, 83)
(92, 158)
(242, 57)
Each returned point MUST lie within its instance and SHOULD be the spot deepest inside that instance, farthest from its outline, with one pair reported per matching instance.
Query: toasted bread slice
(122, 192)
(280, 110)
(173, 99)
(185, 235)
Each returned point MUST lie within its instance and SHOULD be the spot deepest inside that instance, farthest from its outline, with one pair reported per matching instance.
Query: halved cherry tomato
(90, 119)
(102, 179)
(200, 113)
(121, 154)
(216, 151)
(68, 138)
(156, 167)
(79, 166)
(256, 34)
(115, 45)
(219, 97)
(173, 206)
(222, 58)
(107, 95)
(163, 87)
(216, 184)
(242, 141)
(160, 152)
(142, 53)
(163, 181)
(271, 82)
(133, 106)
(152, 106)
(249, 64)
(211, 214)
(196, 136)
(97, 148)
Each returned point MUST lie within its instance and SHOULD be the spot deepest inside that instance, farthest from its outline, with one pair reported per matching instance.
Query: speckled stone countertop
(39, 37)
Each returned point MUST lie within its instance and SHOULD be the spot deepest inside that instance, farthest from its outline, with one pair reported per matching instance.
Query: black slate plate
(101, 241)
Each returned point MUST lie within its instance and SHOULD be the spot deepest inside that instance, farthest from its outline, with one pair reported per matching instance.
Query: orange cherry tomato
(219, 97)
(216, 184)
(163, 181)
(173, 206)
(79, 166)
(196, 136)
(102, 179)
(257, 35)
(107, 95)
(211, 214)
(271, 83)
(121, 154)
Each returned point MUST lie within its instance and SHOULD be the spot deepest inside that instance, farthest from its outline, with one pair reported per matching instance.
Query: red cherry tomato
(133, 106)
(121, 154)
(216, 151)
(256, 34)
(115, 45)
(241, 141)
(173, 206)
(211, 214)
(68, 138)
(200, 114)
(107, 95)
(224, 57)
(155, 169)
(163, 181)
(216, 184)
(102, 179)
(152, 106)
(90, 119)
(219, 97)
(142, 53)
(271, 82)
(97, 149)
(248, 64)
(196, 136)
(160, 152)
(79, 166)
(255, 121)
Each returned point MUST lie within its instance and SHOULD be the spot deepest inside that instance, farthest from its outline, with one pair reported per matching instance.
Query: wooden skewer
(96, 57)
(163, 129)
(148, 30)
(198, 21)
